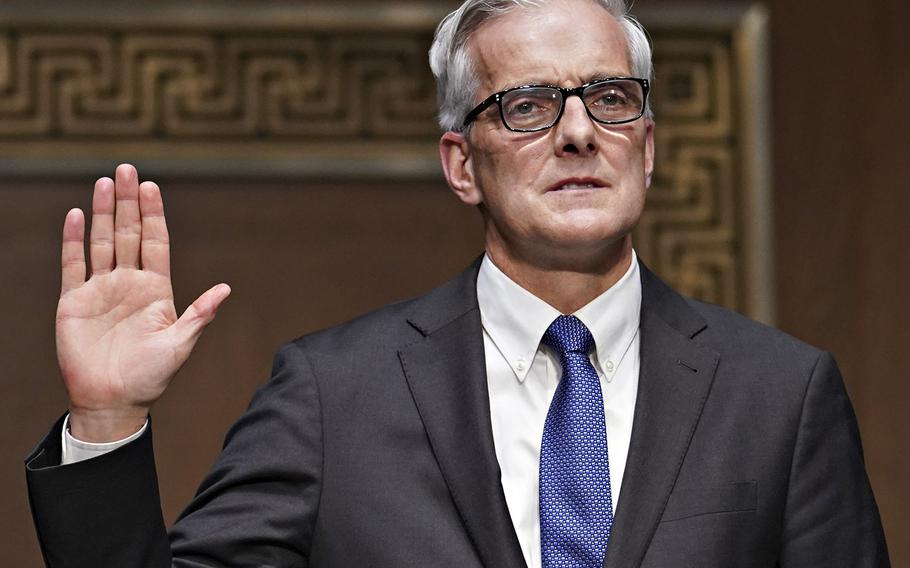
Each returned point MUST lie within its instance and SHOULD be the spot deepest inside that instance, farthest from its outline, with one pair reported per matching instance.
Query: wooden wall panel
(322, 90)
(842, 204)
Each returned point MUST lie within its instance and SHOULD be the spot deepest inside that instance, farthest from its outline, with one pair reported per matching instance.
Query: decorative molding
(707, 222)
(308, 90)
(343, 90)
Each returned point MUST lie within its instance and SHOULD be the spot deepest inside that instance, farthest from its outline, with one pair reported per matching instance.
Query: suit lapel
(446, 373)
(675, 376)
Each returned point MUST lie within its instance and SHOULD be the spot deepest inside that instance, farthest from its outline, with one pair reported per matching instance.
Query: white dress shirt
(522, 376)
(75, 450)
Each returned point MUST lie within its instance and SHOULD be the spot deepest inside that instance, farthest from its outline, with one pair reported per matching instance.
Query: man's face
(535, 189)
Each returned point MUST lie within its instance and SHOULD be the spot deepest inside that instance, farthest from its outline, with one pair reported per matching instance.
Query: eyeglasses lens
(531, 108)
(614, 101)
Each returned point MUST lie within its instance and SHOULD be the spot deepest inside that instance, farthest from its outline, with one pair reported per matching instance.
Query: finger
(127, 225)
(202, 312)
(73, 254)
(156, 254)
(101, 240)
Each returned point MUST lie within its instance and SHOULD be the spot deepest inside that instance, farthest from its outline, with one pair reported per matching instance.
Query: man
(554, 405)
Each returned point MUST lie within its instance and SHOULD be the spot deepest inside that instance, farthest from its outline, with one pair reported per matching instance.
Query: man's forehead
(568, 43)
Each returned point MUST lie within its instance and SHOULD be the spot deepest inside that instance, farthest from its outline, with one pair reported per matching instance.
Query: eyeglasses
(537, 107)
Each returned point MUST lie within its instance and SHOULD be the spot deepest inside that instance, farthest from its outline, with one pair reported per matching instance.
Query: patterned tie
(576, 509)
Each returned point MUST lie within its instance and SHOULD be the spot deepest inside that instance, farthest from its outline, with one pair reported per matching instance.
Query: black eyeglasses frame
(565, 92)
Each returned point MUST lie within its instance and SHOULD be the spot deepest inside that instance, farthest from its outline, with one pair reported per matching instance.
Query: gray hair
(453, 66)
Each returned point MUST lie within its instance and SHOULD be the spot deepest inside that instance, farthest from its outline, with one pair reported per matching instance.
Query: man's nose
(575, 132)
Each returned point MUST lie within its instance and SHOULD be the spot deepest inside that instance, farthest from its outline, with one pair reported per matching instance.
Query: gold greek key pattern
(63, 86)
(689, 231)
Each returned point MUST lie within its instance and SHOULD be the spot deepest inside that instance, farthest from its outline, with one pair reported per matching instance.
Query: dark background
(302, 256)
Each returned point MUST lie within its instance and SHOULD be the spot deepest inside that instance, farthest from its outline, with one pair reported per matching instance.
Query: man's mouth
(577, 183)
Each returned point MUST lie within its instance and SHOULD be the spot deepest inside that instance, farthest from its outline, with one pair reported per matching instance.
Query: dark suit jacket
(371, 446)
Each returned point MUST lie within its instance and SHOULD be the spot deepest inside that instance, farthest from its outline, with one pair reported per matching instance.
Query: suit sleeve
(100, 512)
(256, 507)
(258, 504)
(830, 518)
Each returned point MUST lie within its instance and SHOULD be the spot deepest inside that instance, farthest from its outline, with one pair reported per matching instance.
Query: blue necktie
(576, 509)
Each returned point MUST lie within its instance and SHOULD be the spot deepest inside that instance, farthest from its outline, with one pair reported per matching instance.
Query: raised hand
(119, 340)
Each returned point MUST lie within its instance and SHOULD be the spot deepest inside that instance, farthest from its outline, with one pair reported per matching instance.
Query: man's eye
(612, 98)
(523, 108)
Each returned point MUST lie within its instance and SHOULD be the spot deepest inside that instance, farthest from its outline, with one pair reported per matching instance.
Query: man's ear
(649, 152)
(458, 167)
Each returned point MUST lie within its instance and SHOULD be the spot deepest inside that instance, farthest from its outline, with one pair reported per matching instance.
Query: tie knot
(568, 334)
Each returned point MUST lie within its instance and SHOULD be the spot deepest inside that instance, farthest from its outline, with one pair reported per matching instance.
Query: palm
(119, 340)
(114, 329)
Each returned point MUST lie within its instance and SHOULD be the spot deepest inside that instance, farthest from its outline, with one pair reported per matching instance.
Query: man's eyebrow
(586, 79)
(599, 76)
(524, 83)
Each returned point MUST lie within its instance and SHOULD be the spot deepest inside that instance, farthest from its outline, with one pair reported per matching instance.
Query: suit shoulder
(728, 331)
(348, 349)
(400, 323)
(385, 324)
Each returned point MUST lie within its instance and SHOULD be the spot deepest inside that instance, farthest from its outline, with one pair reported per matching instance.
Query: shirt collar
(516, 319)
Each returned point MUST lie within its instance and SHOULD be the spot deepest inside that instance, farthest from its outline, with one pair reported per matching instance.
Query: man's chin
(583, 253)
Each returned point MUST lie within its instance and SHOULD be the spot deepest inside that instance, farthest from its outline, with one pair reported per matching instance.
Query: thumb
(201, 312)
